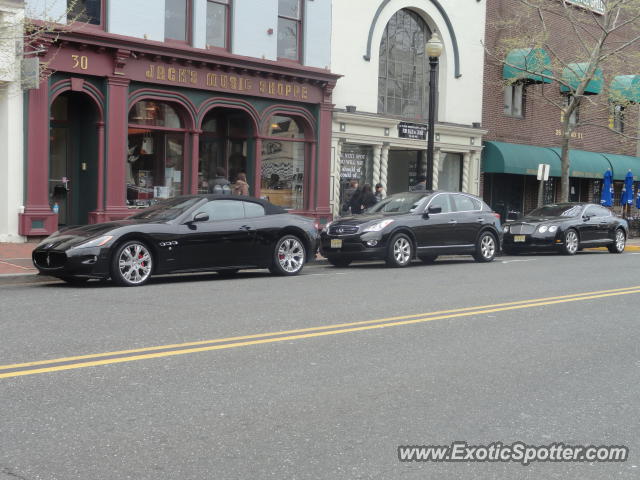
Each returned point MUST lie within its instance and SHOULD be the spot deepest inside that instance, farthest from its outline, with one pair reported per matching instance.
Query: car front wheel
(288, 256)
(619, 243)
(400, 251)
(485, 248)
(571, 242)
(132, 264)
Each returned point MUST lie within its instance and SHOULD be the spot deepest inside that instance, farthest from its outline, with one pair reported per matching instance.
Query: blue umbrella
(627, 190)
(638, 200)
(607, 189)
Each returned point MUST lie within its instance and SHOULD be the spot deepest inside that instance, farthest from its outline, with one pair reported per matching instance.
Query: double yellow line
(120, 356)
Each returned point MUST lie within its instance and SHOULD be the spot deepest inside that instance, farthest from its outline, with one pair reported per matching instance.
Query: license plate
(336, 243)
(519, 238)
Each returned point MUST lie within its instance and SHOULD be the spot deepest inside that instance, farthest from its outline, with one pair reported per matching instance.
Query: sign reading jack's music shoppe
(596, 6)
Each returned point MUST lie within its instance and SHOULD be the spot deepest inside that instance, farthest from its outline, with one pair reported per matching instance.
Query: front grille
(343, 230)
(49, 259)
(523, 228)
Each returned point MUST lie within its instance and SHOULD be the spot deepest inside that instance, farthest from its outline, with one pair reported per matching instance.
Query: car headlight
(542, 228)
(96, 242)
(553, 228)
(376, 227)
(505, 229)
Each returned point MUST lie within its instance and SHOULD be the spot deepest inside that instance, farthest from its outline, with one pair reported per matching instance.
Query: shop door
(73, 158)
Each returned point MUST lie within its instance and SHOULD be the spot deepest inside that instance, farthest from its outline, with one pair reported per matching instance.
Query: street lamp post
(433, 49)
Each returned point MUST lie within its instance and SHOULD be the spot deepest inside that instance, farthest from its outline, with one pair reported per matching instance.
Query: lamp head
(433, 48)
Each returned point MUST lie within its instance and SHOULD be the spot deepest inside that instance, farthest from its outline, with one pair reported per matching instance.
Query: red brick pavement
(16, 258)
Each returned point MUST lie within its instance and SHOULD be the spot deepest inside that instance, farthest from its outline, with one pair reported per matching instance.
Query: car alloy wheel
(289, 256)
(619, 243)
(401, 251)
(132, 264)
(485, 248)
(571, 242)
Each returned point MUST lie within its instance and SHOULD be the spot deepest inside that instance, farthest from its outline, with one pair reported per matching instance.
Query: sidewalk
(16, 265)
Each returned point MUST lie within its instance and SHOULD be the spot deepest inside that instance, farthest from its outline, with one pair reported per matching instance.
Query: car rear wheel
(485, 248)
(132, 264)
(400, 251)
(619, 243)
(571, 242)
(288, 256)
(428, 259)
(339, 261)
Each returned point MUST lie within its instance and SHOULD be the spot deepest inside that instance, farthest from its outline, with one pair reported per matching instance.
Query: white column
(436, 167)
(384, 163)
(335, 173)
(377, 154)
(466, 160)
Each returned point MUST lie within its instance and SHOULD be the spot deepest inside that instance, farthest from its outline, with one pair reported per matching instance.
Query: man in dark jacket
(421, 185)
(348, 194)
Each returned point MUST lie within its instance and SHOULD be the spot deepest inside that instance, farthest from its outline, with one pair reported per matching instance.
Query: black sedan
(184, 234)
(415, 224)
(566, 227)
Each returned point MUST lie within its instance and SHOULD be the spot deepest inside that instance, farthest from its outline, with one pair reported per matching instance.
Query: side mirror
(431, 210)
(200, 217)
(586, 218)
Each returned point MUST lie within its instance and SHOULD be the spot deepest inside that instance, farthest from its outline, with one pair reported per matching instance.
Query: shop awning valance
(583, 164)
(527, 64)
(621, 164)
(502, 157)
(573, 74)
(625, 88)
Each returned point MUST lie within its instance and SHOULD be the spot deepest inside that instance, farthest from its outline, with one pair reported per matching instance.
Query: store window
(85, 11)
(283, 163)
(176, 15)
(156, 148)
(217, 23)
(616, 120)
(289, 29)
(514, 100)
(403, 77)
(450, 172)
(356, 163)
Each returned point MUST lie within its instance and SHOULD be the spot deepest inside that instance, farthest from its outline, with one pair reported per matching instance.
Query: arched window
(155, 158)
(403, 78)
(283, 162)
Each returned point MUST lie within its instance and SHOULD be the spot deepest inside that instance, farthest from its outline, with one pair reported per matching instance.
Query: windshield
(167, 209)
(563, 210)
(398, 203)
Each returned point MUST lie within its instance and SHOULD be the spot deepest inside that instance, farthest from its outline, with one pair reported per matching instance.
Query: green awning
(501, 157)
(625, 88)
(621, 164)
(573, 75)
(527, 64)
(584, 164)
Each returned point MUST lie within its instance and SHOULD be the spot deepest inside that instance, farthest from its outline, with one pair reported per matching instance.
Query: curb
(24, 278)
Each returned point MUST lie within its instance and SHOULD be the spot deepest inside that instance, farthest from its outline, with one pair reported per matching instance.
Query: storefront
(113, 130)
(510, 184)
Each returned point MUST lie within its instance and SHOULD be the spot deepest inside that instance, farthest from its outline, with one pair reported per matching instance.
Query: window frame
(103, 14)
(188, 25)
(511, 99)
(473, 201)
(227, 36)
(450, 201)
(300, 26)
(617, 117)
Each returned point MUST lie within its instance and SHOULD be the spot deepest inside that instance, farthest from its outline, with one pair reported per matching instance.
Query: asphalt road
(513, 354)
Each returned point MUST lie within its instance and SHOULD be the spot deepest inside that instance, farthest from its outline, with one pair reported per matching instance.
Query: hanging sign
(414, 131)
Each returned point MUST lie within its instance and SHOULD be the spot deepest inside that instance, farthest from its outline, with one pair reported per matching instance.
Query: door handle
(452, 222)
(479, 220)
(245, 227)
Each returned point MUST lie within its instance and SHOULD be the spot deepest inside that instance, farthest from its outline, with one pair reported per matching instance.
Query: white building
(382, 98)
(11, 126)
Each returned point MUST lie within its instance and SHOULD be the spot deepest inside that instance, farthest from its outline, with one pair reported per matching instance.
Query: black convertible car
(415, 224)
(566, 227)
(184, 234)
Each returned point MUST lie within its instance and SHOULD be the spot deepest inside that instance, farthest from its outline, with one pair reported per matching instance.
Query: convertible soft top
(269, 208)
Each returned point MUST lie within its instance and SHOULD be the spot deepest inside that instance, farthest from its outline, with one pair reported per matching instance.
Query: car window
(589, 212)
(222, 210)
(442, 200)
(465, 204)
(253, 210)
(601, 212)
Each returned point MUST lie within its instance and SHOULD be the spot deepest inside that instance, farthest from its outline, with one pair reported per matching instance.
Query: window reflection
(175, 20)
(86, 11)
(217, 12)
(289, 28)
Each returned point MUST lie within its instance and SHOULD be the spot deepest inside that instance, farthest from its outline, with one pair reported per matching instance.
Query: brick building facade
(539, 123)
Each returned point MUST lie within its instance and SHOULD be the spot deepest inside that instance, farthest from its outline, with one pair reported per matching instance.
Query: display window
(155, 153)
(283, 163)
